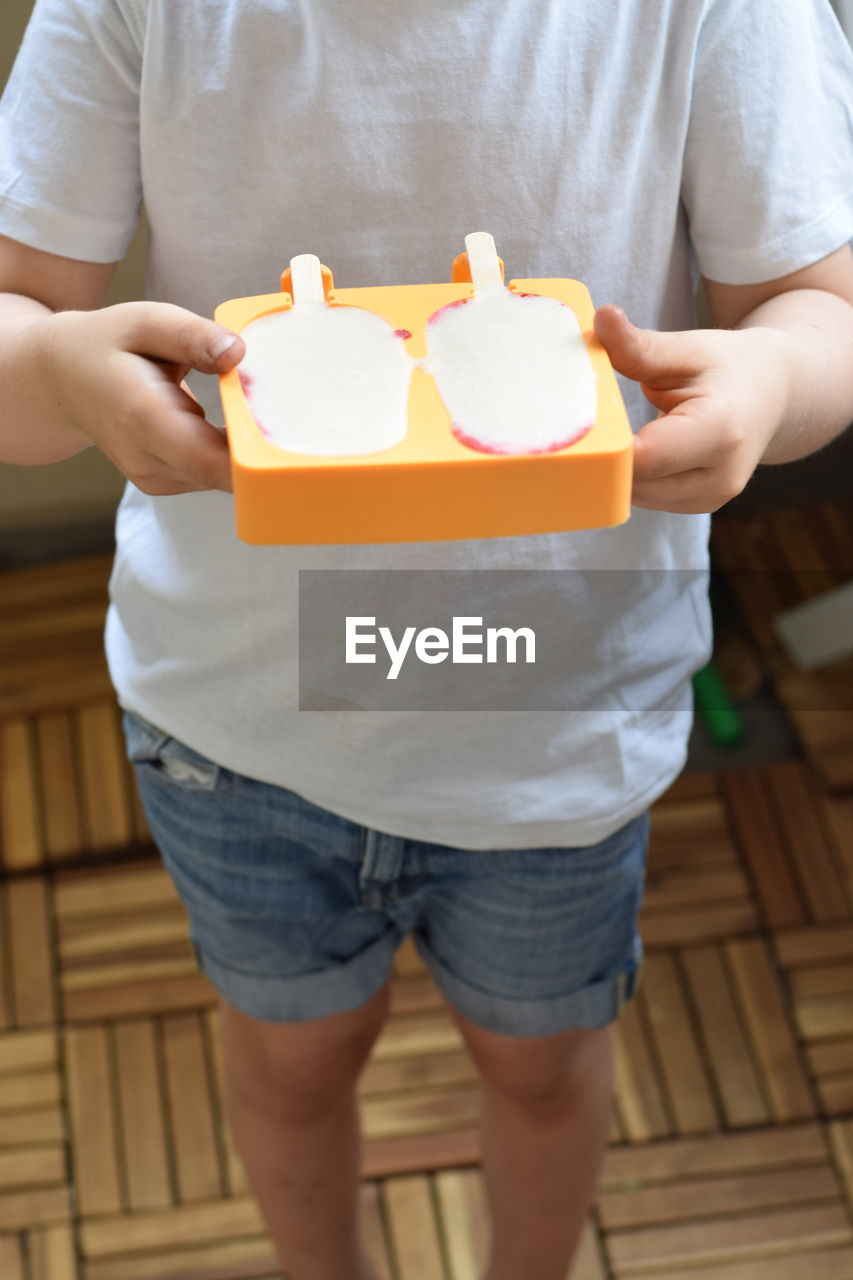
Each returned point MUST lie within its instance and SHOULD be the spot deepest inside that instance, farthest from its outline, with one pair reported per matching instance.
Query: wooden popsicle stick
(483, 261)
(307, 279)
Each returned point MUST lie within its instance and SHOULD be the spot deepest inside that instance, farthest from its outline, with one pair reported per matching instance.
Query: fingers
(201, 456)
(166, 332)
(691, 460)
(187, 449)
(649, 355)
(187, 464)
(696, 433)
(160, 438)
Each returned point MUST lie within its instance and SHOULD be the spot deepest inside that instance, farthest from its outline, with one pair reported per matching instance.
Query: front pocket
(161, 755)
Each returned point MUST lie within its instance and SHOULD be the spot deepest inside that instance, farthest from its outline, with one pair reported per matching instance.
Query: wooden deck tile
(52, 1253)
(33, 1162)
(91, 1100)
(726, 1043)
(33, 989)
(124, 945)
(20, 802)
(59, 786)
(250, 1258)
(193, 1123)
(65, 786)
(685, 1201)
(696, 889)
(817, 964)
(412, 1228)
(795, 799)
(773, 1042)
(774, 1147)
(759, 835)
(823, 1264)
(640, 1097)
(141, 1115)
(760, 1235)
(107, 815)
(51, 635)
(463, 1211)
(112, 1235)
(685, 1077)
(704, 1205)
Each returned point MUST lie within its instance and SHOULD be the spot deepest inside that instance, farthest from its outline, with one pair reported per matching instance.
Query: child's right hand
(117, 375)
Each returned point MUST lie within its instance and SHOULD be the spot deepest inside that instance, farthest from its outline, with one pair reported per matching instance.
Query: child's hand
(117, 374)
(722, 395)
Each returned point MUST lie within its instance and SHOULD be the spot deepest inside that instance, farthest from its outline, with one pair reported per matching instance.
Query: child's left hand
(722, 395)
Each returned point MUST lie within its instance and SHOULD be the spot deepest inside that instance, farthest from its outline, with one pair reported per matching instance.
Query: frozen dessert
(323, 379)
(512, 368)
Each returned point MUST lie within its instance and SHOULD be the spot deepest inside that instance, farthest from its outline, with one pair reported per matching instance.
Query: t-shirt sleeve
(69, 131)
(768, 166)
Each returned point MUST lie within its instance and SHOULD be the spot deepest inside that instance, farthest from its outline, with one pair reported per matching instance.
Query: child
(633, 146)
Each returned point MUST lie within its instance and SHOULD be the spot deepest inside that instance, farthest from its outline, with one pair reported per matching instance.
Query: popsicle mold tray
(430, 486)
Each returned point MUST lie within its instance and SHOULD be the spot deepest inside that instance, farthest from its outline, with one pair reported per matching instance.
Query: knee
(557, 1071)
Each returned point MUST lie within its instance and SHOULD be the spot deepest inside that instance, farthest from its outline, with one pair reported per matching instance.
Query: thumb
(645, 354)
(167, 332)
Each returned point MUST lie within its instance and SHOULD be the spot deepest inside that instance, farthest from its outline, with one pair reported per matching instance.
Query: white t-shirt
(630, 145)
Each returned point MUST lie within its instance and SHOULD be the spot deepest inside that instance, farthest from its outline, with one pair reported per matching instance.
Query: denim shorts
(296, 913)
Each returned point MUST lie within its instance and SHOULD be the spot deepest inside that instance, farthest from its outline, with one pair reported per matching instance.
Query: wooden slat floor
(731, 1153)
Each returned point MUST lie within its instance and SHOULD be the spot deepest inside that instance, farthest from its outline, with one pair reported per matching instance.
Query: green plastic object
(716, 709)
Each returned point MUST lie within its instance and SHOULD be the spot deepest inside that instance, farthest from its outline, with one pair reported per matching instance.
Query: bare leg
(542, 1161)
(293, 1111)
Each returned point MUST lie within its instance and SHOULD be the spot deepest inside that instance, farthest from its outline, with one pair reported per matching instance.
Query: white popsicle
(512, 369)
(324, 380)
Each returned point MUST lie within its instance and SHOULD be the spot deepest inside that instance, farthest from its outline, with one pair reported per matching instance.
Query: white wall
(88, 486)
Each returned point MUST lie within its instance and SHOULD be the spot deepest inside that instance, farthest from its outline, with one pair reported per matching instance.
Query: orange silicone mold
(430, 486)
